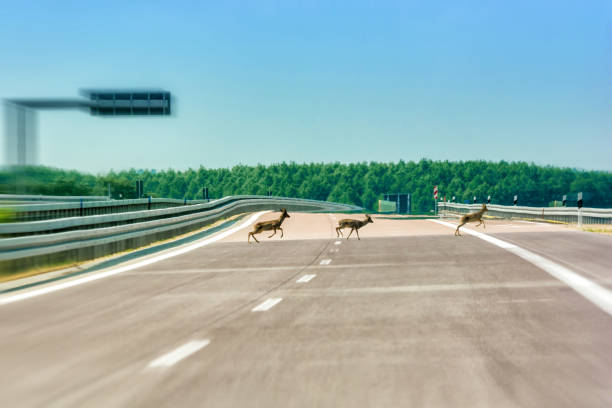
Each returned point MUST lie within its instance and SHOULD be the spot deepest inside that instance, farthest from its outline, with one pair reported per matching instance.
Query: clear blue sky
(270, 81)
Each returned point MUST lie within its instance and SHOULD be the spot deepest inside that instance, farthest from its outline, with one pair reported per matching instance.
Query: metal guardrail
(58, 199)
(19, 252)
(111, 220)
(72, 204)
(78, 208)
(568, 215)
(31, 198)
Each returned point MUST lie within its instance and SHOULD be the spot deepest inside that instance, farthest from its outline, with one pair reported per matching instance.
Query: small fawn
(354, 225)
(269, 225)
(472, 217)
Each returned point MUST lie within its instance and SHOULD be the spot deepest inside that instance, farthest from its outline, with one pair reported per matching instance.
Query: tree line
(361, 184)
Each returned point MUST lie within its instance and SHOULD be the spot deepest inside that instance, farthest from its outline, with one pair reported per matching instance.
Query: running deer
(472, 217)
(269, 225)
(354, 225)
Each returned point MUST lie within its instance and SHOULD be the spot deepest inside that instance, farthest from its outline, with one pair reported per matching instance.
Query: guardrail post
(81, 208)
(579, 205)
(149, 203)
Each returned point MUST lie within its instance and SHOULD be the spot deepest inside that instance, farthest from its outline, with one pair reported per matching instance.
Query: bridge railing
(568, 215)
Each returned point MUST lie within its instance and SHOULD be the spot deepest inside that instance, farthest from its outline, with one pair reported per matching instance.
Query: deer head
(368, 219)
(284, 213)
(484, 208)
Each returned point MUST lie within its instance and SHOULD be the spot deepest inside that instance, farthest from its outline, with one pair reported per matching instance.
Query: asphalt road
(410, 315)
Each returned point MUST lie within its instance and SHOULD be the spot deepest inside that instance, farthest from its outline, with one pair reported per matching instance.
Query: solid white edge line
(106, 274)
(488, 238)
(179, 353)
(325, 262)
(306, 278)
(266, 305)
(590, 290)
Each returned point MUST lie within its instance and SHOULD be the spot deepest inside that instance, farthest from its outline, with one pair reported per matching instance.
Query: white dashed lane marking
(325, 262)
(306, 278)
(178, 354)
(267, 305)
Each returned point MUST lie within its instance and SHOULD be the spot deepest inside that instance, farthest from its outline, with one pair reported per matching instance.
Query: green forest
(362, 184)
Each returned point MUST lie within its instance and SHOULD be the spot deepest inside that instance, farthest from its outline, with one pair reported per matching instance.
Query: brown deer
(269, 225)
(354, 225)
(472, 217)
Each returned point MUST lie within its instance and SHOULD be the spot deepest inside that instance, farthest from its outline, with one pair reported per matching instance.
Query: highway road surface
(409, 315)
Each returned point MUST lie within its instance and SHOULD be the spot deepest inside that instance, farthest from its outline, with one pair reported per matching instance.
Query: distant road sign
(401, 200)
(109, 102)
(435, 192)
(387, 206)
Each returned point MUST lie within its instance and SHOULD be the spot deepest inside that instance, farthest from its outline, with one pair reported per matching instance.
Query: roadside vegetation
(599, 230)
(361, 184)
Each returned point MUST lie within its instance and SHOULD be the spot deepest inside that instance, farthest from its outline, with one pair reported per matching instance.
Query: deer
(354, 225)
(269, 225)
(472, 217)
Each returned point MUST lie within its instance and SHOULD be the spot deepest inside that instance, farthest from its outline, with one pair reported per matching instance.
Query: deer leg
(339, 232)
(273, 234)
(282, 233)
(349, 235)
(357, 231)
(484, 225)
(252, 234)
(457, 230)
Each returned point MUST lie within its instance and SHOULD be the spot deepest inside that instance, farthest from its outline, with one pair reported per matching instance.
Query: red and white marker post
(435, 199)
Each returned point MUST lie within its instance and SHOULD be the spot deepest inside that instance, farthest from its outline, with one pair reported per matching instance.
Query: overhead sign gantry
(20, 114)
